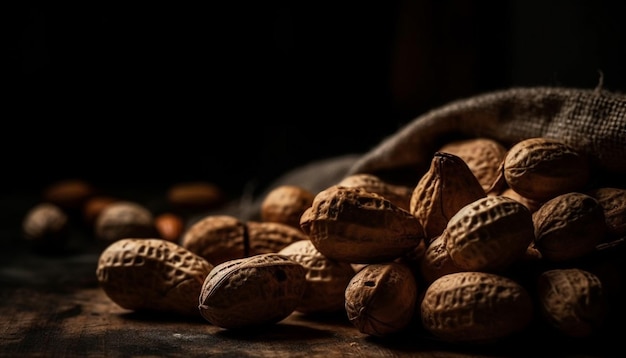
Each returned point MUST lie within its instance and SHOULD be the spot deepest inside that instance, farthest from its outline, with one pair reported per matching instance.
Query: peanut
(542, 168)
(572, 301)
(46, 226)
(448, 185)
(285, 204)
(254, 291)
(356, 226)
(267, 237)
(613, 203)
(124, 219)
(475, 307)
(381, 298)
(151, 274)
(568, 226)
(217, 238)
(400, 195)
(489, 234)
(326, 279)
(482, 155)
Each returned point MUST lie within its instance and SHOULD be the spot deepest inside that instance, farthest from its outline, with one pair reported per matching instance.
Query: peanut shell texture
(475, 307)
(153, 275)
(381, 298)
(256, 291)
(353, 225)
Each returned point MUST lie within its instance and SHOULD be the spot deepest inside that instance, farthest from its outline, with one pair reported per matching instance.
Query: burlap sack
(592, 121)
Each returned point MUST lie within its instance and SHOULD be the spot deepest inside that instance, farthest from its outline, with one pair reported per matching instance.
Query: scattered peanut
(475, 307)
(253, 291)
(152, 275)
(356, 226)
(381, 298)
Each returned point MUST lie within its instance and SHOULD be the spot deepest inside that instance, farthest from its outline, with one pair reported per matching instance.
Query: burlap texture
(591, 120)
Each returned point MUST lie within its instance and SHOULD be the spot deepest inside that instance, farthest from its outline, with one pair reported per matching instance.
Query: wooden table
(51, 306)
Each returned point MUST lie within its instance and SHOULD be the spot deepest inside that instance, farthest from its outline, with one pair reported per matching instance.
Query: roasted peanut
(475, 307)
(400, 195)
(568, 226)
(448, 185)
(124, 219)
(381, 298)
(326, 279)
(489, 234)
(482, 155)
(542, 168)
(613, 203)
(266, 237)
(572, 301)
(285, 204)
(151, 274)
(253, 291)
(356, 226)
(217, 238)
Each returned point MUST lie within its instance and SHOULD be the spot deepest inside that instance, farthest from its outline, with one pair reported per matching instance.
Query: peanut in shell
(568, 226)
(353, 225)
(572, 301)
(489, 234)
(149, 274)
(254, 291)
(443, 190)
(381, 299)
(541, 168)
(475, 307)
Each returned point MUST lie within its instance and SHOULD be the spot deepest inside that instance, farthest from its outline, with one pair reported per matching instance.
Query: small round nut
(217, 238)
(125, 219)
(195, 196)
(285, 204)
(170, 226)
(46, 227)
(69, 194)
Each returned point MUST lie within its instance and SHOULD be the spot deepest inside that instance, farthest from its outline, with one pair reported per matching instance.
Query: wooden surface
(51, 306)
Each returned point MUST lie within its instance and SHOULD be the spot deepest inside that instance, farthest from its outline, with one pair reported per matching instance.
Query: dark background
(238, 93)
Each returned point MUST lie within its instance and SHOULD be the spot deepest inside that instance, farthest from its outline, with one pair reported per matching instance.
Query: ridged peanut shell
(285, 204)
(217, 238)
(475, 307)
(356, 226)
(253, 291)
(326, 279)
(542, 168)
(381, 299)
(152, 275)
(436, 261)
(400, 195)
(125, 219)
(266, 237)
(572, 300)
(613, 203)
(442, 191)
(489, 234)
(482, 155)
(569, 226)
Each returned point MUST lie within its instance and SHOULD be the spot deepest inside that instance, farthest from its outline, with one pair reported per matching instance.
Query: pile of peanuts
(489, 241)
